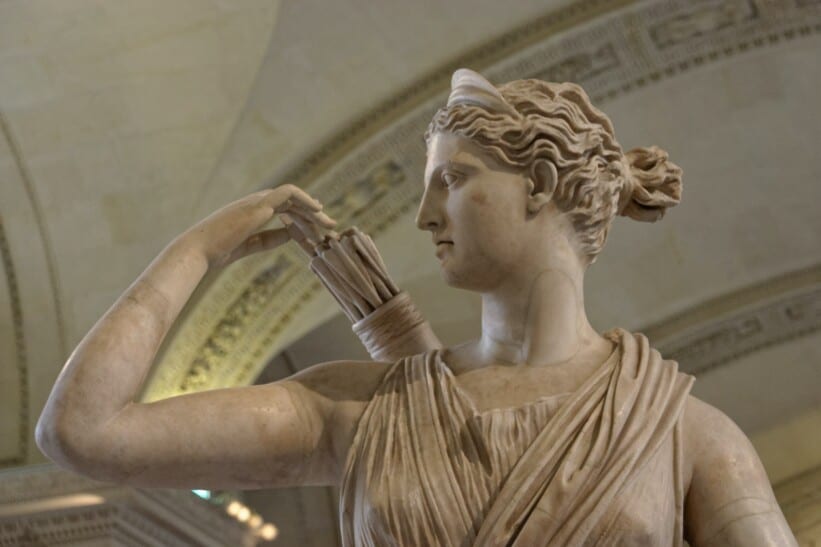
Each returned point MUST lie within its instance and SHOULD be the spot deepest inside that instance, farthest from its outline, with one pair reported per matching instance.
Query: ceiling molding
(366, 177)
(51, 262)
(16, 299)
(20, 351)
(42, 481)
(47, 505)
(667, 23)
(343, 142)
(733, 325)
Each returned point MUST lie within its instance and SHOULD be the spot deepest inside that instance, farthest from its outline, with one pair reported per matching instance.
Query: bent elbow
(59, 445)
(73, 450)
(43, 437)
(51, 440)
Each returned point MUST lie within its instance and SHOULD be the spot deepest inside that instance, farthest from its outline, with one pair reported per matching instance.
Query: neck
(539, 320)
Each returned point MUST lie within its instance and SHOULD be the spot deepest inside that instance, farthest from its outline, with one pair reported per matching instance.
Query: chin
(451, 276)
(465, 278)
(451, 280)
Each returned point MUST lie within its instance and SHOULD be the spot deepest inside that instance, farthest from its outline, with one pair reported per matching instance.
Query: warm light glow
(255, 521)
(51, 504)
(268, 532)
(244, 514)
(234, 508)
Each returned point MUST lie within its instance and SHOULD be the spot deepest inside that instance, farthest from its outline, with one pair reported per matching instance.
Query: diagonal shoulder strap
(603, 434)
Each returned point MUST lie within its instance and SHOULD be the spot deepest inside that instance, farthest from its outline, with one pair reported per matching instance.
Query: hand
(232, 232)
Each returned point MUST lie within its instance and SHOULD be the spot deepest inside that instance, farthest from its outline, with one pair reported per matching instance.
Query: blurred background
(123, 123)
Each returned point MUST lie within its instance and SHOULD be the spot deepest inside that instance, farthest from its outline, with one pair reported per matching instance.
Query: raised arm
(246, 437)
(730, 501)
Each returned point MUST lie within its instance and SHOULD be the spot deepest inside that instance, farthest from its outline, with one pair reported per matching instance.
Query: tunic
(600, 466)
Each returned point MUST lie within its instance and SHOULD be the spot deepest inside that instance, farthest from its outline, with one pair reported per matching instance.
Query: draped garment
(600, 466)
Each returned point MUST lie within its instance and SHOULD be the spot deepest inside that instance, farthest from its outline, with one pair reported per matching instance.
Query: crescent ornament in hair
(525, 121)
(471, 88)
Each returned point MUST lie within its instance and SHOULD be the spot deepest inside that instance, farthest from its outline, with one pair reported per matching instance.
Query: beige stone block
(255, 147)
(66, 121)
(175, 156)
(10, 375)
(24, 80)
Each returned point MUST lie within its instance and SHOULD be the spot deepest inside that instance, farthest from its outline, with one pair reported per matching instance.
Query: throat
(543, 324)
(494, 386)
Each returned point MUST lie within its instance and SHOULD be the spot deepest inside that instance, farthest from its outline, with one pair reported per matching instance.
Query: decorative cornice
(338, 146)
(610, 56)
(20, 354)
(676, 23)
(34, 202)
(40, 504)
(14, 293)
(41, 481)
(744, 321)
(85, 525)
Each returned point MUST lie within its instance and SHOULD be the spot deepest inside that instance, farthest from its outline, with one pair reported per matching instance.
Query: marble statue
(540, 432)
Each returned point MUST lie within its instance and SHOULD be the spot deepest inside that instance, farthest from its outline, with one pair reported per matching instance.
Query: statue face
(476, 211)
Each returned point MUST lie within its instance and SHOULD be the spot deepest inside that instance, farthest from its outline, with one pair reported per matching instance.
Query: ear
(543, 180)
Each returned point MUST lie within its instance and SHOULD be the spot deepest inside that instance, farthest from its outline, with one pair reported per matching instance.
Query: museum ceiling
(120, 127)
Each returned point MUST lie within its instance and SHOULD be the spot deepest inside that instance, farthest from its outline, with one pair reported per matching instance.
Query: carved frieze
(610, 55)
(20, 365)
(46, 505)
(714, 343)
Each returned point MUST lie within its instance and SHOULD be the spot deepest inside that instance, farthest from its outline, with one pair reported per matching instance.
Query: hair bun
(654, 184)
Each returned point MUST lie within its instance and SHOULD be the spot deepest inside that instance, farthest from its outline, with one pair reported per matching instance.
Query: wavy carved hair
(524, 121)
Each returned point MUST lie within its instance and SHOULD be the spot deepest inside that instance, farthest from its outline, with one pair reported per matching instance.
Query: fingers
(308, 225)
(302, 215)
(299, 197)
(298, 235)
(230, 232)
(288, 198)
(307, 215)
(324, 220)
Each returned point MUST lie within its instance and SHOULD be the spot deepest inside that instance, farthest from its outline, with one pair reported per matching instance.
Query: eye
(450, 178)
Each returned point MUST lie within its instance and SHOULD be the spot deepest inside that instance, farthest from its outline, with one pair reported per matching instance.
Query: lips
(442, 246)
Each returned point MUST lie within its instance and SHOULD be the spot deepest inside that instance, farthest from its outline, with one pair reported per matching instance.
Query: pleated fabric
(600, 466)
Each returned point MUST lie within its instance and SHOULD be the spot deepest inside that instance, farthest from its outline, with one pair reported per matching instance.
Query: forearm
(107, 369)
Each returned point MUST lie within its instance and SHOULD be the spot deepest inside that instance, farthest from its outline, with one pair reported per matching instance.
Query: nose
(429, 216)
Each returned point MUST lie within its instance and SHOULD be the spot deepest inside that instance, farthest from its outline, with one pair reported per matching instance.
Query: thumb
(260, 241)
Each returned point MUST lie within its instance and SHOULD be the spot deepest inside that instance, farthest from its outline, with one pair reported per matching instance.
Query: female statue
(540, 432)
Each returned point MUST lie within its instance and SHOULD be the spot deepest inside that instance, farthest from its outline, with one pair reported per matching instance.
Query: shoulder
(727, 482)
(328, 387)
(708, 424)
(341, 380)
(339, 393)
(715, 445)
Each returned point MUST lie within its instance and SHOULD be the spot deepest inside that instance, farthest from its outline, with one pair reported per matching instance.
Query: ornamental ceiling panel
(703, 80)
(111, 116)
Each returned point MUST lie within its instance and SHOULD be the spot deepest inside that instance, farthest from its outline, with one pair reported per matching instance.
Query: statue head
(560, 147)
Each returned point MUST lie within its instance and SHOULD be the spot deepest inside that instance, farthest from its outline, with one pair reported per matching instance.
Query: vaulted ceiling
(123, 123)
